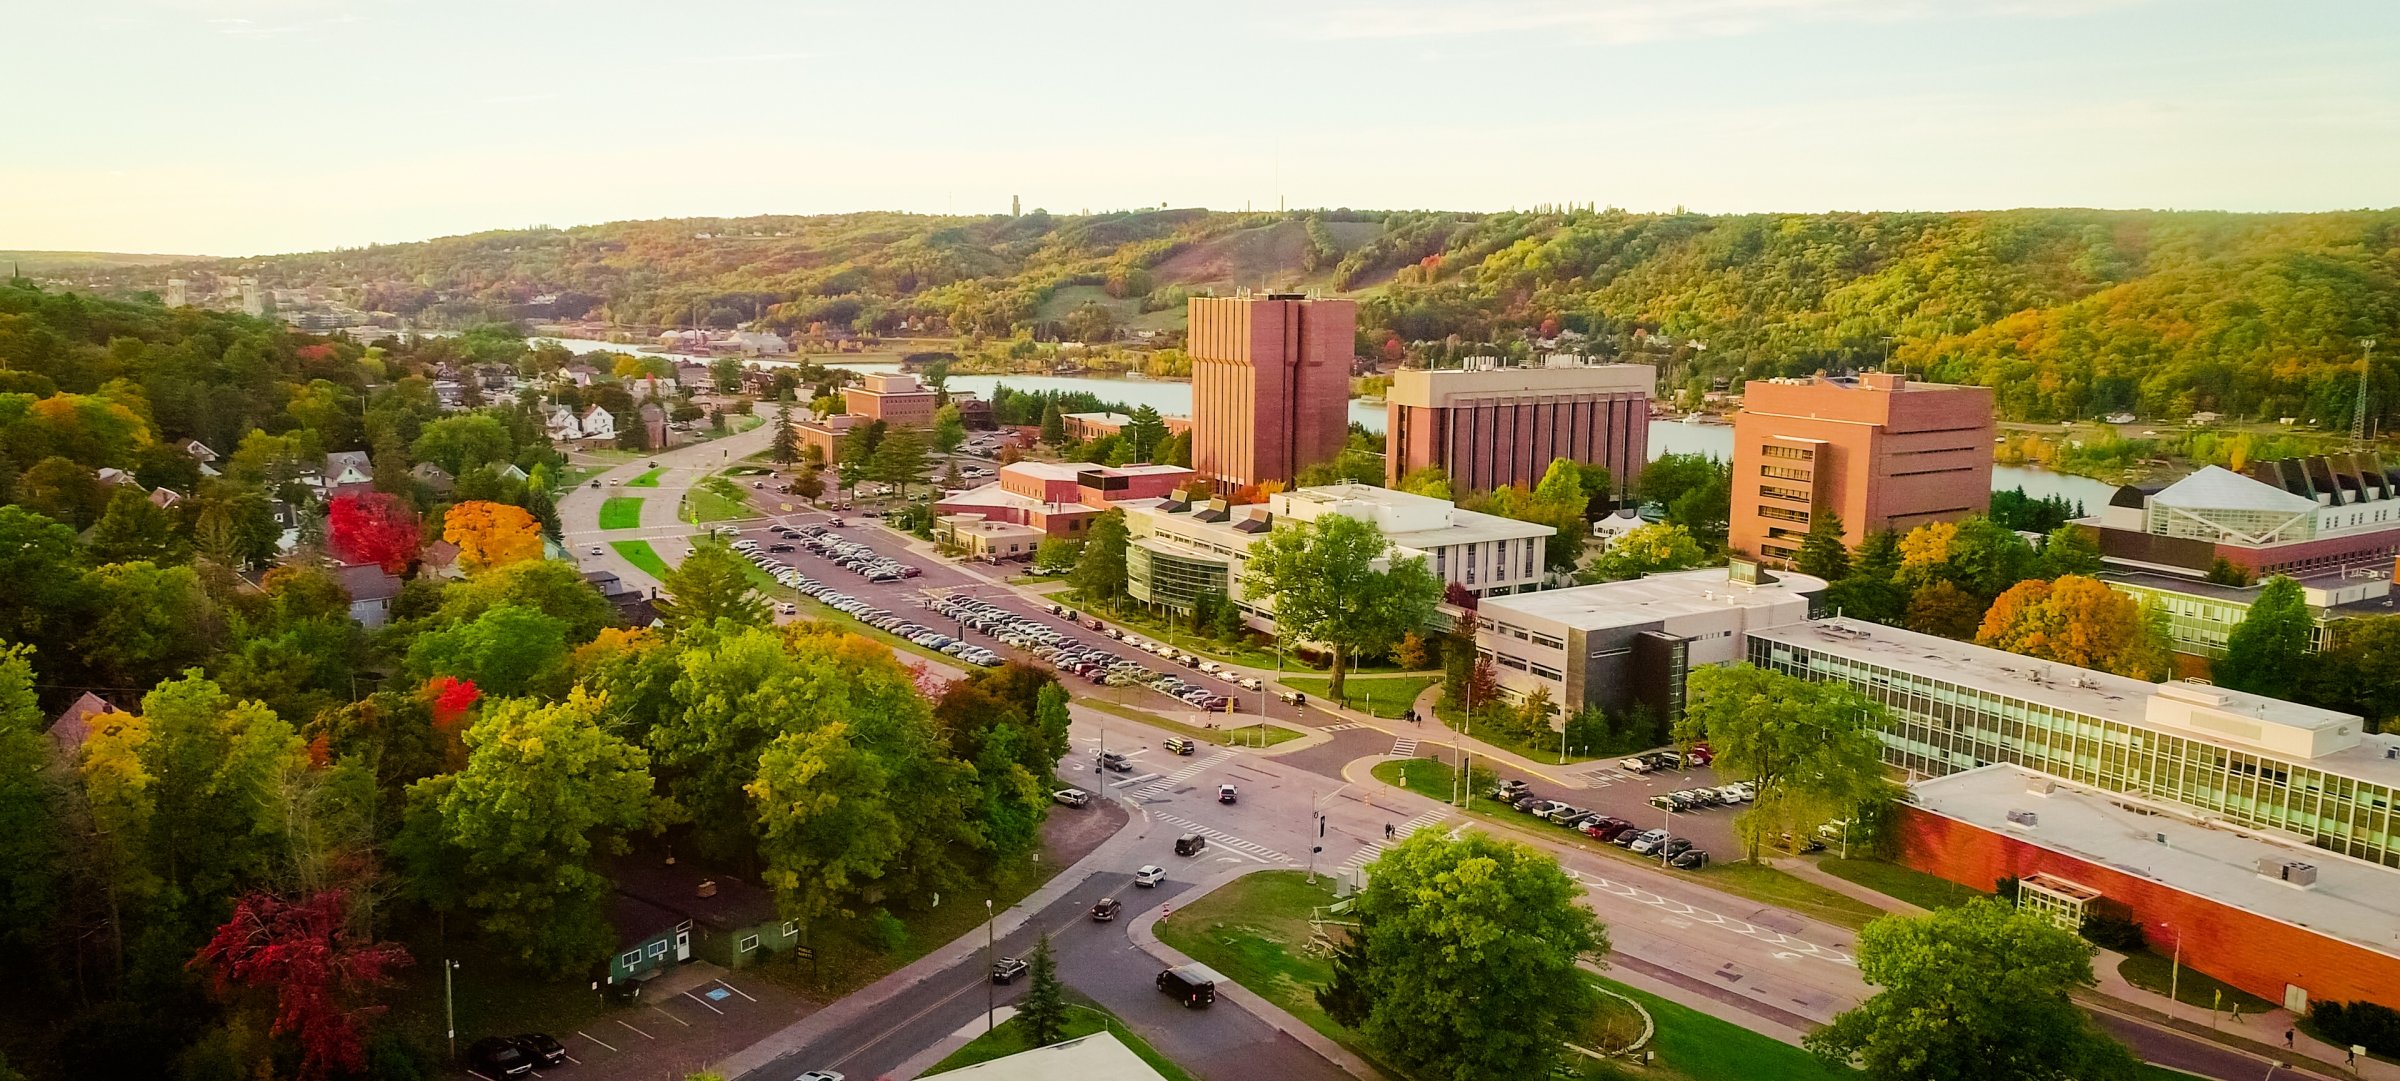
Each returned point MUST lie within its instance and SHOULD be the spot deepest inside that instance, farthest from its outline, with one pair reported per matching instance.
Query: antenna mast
(2358, 414)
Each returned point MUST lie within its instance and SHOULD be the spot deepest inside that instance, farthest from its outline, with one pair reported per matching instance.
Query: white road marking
(705, 1003)
(1677, 913)
(1239, 847)
(1133, 780)
(671, 1017)
(638, 1032)
(1368, 854)
(594, 1039)
(735, 990)
(1169, 781)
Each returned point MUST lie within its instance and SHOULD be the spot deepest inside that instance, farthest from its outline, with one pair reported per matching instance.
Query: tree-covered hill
(2070, 312)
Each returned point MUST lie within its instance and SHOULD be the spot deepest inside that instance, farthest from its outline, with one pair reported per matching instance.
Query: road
(1757, 962)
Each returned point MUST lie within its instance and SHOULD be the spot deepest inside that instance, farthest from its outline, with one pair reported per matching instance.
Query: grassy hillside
(54, 262)
(2070, 312)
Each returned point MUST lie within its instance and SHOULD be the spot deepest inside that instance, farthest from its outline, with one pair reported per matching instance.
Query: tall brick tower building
(1270, 384)
(1881, 451)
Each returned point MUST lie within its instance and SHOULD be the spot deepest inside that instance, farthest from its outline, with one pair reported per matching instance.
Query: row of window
(1778, 450)
(1792, 494)
(1783, 514)
(1785, 472)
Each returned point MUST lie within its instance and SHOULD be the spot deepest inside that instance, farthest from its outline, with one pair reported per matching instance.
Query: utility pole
(991, 997)
(450, 1005)
(2358, 412)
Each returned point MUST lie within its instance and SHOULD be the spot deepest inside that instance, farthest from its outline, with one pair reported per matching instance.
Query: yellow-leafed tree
(492, 534)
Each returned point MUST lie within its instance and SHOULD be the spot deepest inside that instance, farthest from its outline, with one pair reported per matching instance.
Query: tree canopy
(1322, 579)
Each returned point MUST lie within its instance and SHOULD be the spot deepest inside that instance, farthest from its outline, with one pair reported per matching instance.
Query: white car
(1150, 874)
(1635, 765)
(820, 1075)
(1252, 683)
(595, 549)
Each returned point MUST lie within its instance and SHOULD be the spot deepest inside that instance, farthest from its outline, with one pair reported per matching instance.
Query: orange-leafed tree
(492, 534)
(2078, 621)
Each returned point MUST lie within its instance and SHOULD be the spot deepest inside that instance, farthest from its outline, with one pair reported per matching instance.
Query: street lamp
(991, 998)
(1316, 810)
(2175, 970)
(450, 1005)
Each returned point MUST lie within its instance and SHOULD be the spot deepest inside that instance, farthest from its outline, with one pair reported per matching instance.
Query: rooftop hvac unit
(2026, 819)
(2294, 872)
(2041, 786)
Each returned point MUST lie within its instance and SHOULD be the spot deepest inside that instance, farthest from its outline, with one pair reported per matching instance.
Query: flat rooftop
(2354, 901)
(2084, 690)
(1641, 600)
(2329, 583)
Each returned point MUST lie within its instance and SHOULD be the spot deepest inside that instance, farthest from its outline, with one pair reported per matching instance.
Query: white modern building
(1181, 551)
(1618, 644)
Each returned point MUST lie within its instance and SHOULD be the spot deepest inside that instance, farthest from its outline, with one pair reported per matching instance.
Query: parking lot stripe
(735, 990)
(638, 1032)
(705, 1003)
(671, 1017)
(594, 1039)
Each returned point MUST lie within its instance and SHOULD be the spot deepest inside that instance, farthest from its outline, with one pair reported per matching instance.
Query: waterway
(1174, 397)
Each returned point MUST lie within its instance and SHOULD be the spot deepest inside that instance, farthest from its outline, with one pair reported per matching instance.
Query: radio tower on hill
(2358, 414)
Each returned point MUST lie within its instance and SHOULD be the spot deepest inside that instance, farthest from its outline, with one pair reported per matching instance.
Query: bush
(2113, 931)
(2370, 1025)
(885, 932)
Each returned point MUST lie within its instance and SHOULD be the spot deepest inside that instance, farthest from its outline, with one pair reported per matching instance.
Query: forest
(2070, 313)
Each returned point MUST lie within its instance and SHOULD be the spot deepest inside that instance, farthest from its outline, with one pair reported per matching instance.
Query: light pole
(2175, 970)
(450, 1005)
(991, 998)
(1316, 810)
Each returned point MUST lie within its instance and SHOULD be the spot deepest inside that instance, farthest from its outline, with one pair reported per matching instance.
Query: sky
(239, 127)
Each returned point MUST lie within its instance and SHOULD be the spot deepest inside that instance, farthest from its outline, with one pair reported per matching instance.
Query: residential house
(654, 426)
(346, 471)
(440, 561)
(599, 424)
(117, 478)
(564, 428)
(435, 478)
(728, 921)
(197, 451)
(75, 724)
(650, 940)
(371, 591)
(582, 374)
(165, 498)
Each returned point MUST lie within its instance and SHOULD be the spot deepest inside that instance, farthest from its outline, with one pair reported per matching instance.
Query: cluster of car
(849, 555)
(1677, 851)
(1697, 799)
(924, 637)
(1072, 655)
(499, 1057)
(1699, 755)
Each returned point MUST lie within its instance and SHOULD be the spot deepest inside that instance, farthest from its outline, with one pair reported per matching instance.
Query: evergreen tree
(2267, 649)
(136, 529)
(1100, 576)
(1054, 426)
(1044, 1009)
(786, 448)
(2070, 549)
(1143, 433)
(1822, 553)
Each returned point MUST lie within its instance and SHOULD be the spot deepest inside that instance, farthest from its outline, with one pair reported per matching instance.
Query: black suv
(499, 1057)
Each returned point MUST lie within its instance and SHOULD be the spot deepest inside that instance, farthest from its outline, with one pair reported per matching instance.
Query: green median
(621, 512)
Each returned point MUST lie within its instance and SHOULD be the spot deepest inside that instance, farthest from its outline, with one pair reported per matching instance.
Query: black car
(1674, 847)
(779, 548)
(1692, 859)
(541, 1048)
(1528, 803)
(1007, 969)
(1106, 910)
(499, 1057)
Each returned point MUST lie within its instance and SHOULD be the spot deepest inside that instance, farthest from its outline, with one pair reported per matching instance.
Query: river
(1174, 397)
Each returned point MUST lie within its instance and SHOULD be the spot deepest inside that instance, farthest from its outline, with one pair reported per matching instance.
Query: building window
(1441, 563)
(631, 960)
(1548, 642)
(658, 949)
(1794, 453)
(1789, 494)
(790, 929)
(749, 943)
(1529, 546)
(1785, 472)
(1547, 672)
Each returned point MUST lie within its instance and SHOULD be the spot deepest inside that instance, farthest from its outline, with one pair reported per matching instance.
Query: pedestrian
(2287, 1039)
(2350, 1057)
(2237, 1013)
(1387, 831)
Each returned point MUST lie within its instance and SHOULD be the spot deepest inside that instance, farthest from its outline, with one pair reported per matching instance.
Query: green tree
(786, 448)
(2070, 549)
(1973, 993)
(710, 584)
(545, 796)
(726, 373)
(147, 622)
(1322, 580)
(899, 461)
(1465, 959)
(948, 429)
(1694, 490)
(1099, 577)
(30, 835)
(1822, 552)
(2360, 671)
(1144, 431)
(1646, 549)
(2267, 652)
(136, 529)
(46, 600)
(1054, 426)
(63, 490)
(1811, 748)
(1431, 480)
(1055, 555)
(468, 441)
(1869, 591)
(1043, 1011)
(1944, 609)
(505, 650)
(554, 588)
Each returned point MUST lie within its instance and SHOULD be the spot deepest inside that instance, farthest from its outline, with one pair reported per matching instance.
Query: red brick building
(1061, 499)
(1879, 450)
(1493, 427)
(1270, 384)
(895, 398)
(2288, 922)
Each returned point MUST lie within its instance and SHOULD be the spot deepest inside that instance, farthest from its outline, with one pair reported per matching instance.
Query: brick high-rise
(1879, 450)
(1270, 384)
(1492, 427)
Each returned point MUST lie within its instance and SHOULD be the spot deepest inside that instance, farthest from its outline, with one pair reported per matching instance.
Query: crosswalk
(1342, 727)
(1602, 777)
(1404, 748)
(1220, 839)
(1163, 785)
(1367, 855)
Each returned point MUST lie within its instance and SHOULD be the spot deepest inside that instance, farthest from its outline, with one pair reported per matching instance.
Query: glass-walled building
(2260, 762)
(2201, 615)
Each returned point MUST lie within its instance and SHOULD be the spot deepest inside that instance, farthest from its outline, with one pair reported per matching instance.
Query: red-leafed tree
(450, 698)
(1392, 349)
(320, 974)
(373, 527)
(1550, 327)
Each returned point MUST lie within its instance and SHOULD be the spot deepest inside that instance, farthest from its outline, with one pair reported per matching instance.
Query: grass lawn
(646, 480)
(640, 554)
(1537, 750)
(1082, 1020)
(2153, 972)
(577, 476)
(1134, 713)
(1390, 695)
(621, 512)
(1255, 930)
(704, 505)
(1891, 879)
(1261, 735)
(1144, 624)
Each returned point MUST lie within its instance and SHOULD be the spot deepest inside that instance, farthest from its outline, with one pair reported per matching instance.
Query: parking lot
(1607, 788)
(686, 1019)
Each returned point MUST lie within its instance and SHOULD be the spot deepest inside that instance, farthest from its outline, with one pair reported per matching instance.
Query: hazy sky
(231, 127)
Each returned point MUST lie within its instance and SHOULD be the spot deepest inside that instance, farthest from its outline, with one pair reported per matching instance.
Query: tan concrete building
(1270, 384)
(1879, 450)
(895, 398)
(1490, 427)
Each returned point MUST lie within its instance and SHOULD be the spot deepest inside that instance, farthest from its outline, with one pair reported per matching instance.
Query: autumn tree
(373, 527)
(534, 879)
(2075, 621)
(1941, 608)
(319, 970)
(1976, 992)
(491, 534)
(2267, 652)
(1322, 579)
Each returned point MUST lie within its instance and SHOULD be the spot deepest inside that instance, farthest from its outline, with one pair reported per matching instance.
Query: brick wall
(2256, 954)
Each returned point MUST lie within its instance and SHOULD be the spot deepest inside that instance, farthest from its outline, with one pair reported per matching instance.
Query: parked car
(542, 1048)
(499, 1057)
(1529, 803)
(1251, 683)
(1148, 875)
(1007, 969)
(1636, 764)
(1675, 846)
(1691, 859)
(820, 1075)
(1648, 842)
(1106, 910)
(1510, 791)
(1072, 797)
